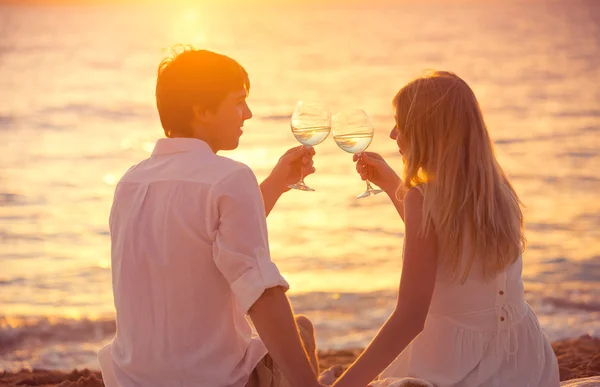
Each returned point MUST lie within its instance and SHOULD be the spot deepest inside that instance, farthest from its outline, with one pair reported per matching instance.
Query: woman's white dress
(480, 333)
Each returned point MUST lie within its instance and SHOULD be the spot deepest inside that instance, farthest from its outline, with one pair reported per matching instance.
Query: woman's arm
(416, 289)
(397, 197)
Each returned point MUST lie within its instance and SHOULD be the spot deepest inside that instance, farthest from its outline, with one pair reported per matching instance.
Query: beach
(577, 358)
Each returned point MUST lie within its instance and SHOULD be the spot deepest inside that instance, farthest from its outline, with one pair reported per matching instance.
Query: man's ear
(200, 114)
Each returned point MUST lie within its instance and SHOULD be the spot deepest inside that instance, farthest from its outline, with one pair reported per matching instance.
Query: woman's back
(452, 296)
(479, 333)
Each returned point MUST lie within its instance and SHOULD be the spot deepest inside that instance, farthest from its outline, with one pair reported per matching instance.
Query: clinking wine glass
(311, 124)
(353, 133)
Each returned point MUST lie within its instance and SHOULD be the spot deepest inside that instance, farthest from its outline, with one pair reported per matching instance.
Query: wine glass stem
(301, 182)
(369, 188)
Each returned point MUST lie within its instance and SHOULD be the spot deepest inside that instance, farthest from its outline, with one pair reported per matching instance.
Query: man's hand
(275, 323)
(294, 164)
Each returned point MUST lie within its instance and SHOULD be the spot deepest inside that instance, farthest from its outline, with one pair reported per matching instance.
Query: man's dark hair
(191, 77)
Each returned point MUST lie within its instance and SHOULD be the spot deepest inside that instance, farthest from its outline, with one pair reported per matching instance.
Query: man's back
(185, 269)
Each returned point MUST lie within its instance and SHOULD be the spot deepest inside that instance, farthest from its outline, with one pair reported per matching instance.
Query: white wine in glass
(311, 124)
(353, 133)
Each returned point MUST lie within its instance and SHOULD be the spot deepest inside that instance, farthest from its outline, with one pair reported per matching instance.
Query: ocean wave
(27, 332)
(376, 230)
(584, 183)
(578, 113)
(286, 117)
(581, 154)
(105, 65)
(11, 199)
(124, 111)
(12, 281)
(9, 236)
(6, 121)
(545, 137)
(562, 303)
(582, 272)
(592, 129)
(334, 314)
(276, 117)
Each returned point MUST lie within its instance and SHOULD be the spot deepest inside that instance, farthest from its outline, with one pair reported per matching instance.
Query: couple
(190, 252)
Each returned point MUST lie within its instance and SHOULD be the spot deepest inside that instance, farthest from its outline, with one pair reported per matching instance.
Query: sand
(577, 358)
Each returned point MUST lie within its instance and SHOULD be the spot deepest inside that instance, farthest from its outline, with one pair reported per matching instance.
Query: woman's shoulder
(416, 191)
(414, 194)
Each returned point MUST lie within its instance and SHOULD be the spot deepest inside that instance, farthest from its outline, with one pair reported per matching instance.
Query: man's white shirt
(190, 256)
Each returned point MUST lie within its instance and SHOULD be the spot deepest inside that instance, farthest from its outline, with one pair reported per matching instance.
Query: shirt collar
(166, 146)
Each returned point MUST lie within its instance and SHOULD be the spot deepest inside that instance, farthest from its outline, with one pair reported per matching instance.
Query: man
(190, 253)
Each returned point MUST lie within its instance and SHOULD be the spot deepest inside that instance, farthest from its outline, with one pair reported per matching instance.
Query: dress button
(501, 293)
(501, 318)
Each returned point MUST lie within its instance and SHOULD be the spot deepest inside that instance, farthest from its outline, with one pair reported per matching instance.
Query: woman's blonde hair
(448, 149)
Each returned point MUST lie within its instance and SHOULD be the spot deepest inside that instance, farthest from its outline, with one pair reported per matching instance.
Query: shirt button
(501, 293)
(501, 318)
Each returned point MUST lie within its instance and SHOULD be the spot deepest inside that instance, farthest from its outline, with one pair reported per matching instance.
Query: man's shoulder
(230, 169)
(228, 165)
(189, 168)
(137, 171)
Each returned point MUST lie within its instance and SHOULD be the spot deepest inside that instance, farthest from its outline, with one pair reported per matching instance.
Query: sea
(77, 109)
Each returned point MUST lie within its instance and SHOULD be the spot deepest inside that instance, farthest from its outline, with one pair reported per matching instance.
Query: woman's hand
(372, 166)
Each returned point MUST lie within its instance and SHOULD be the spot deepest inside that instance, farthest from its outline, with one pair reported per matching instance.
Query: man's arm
(274, 320)
(271, 192)
(241, 253)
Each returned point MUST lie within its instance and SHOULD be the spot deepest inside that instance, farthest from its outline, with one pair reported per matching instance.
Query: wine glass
(353, 132)
(311, 124)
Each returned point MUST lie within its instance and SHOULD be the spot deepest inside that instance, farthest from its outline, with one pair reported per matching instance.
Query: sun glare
(191, 26)
(190, 16)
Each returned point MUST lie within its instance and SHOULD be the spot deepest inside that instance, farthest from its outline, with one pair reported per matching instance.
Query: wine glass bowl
(353, 133)
(310, 124)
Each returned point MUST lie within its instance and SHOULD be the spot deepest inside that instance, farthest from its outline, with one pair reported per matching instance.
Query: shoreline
(577, 358)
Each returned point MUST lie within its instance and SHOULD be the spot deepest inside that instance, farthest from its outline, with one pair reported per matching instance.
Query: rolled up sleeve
(241, 247)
